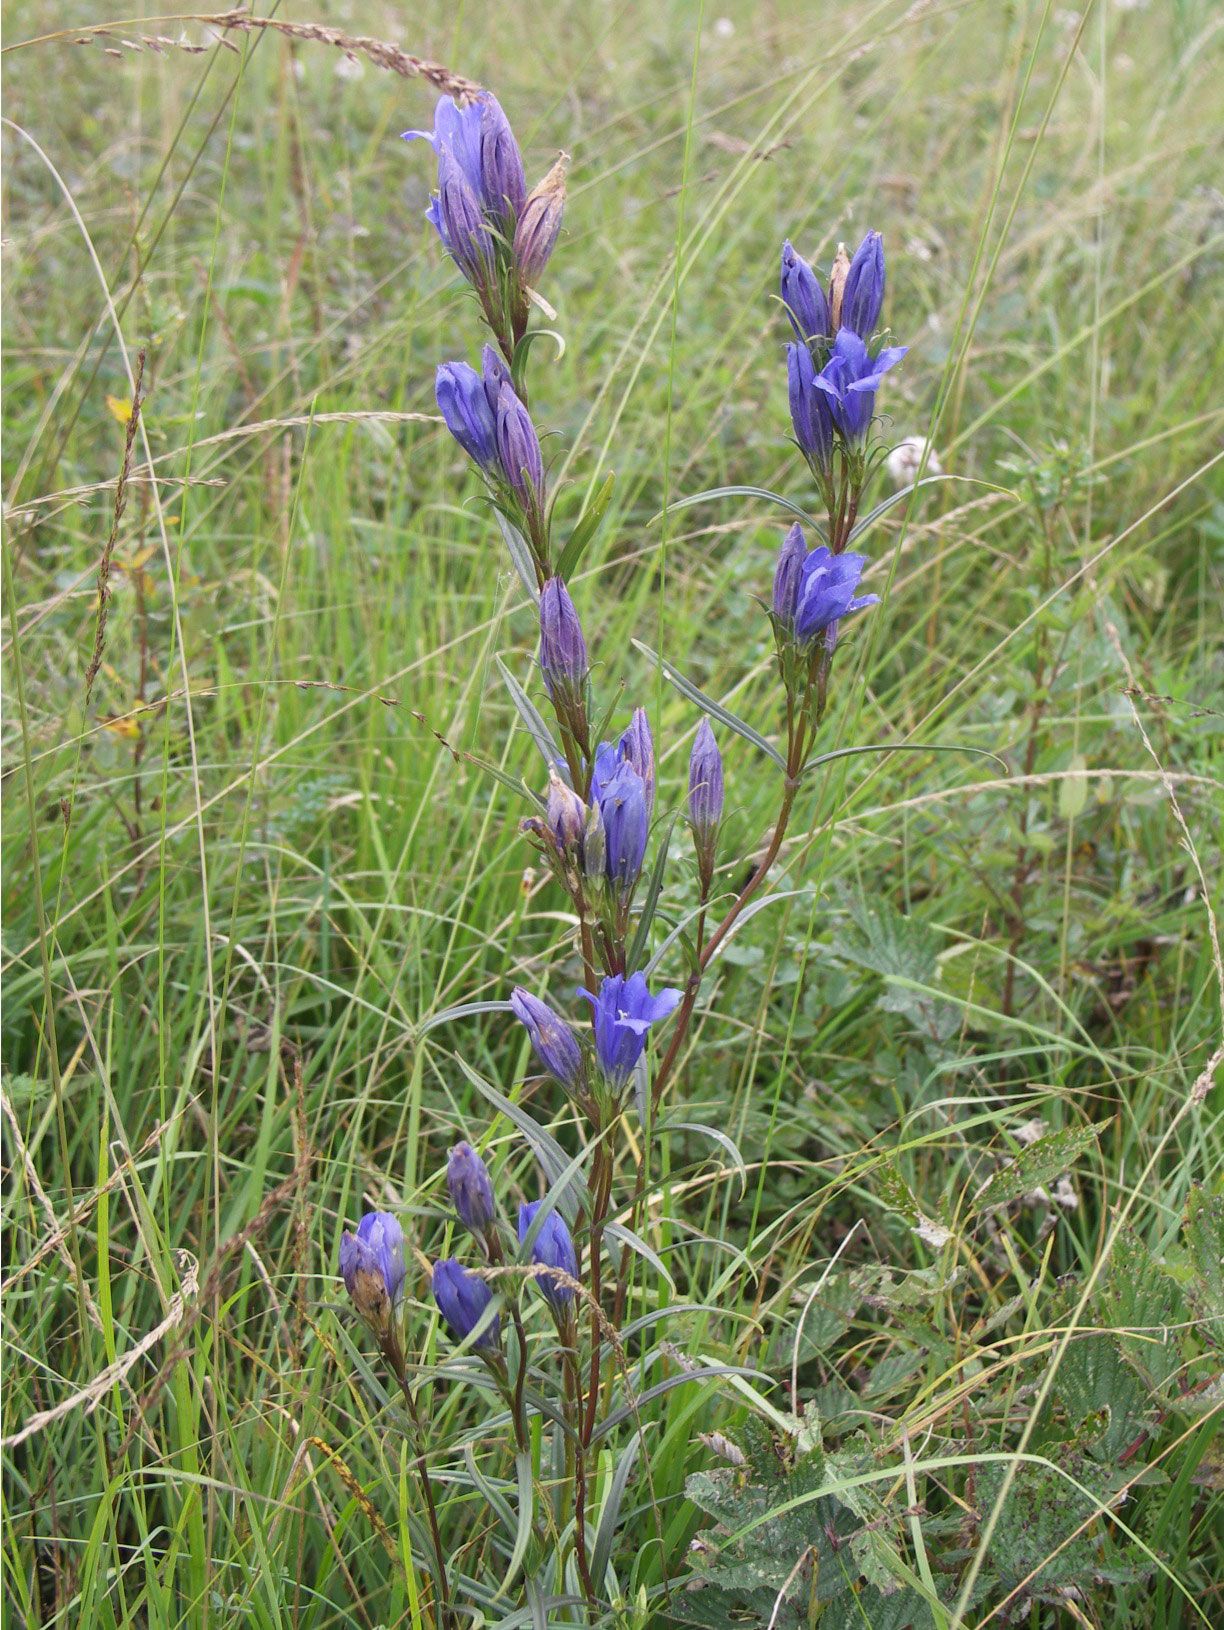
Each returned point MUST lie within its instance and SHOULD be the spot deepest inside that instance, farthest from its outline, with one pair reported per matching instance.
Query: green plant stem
(395, 1357)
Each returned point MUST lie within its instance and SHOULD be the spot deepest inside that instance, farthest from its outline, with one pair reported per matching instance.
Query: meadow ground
(247, 859)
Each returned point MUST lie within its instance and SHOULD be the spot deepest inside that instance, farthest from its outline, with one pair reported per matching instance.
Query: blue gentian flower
(372, 1267)
(827, 592)
(463, 400)
(849, 381)
(463, 1300)
(470, 1188)
(705, 784)
(478, 140)
(624, 1011)
(563, 652)
(554, 1042)
(811, 413)
(551, 1248)
(863, 295)
(806, 302)
(456, 131)
(787, 575)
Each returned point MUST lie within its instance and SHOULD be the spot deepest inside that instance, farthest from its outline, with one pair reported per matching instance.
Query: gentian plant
(575, 1252)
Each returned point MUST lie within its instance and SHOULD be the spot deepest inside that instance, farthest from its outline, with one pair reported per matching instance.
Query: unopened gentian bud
(471, 1191)
(463, 1300)
(503, 183)
(787, 575)
(464, 404)
(552, 1248)
(803, 297)
(457, 215)
(563, 652)
(837, 287)
(594, 845)
(637, 748)
(518, 448)
(810, 412)
(372, 1267)
(705, 785)
(495, 374)
(863, 297)
(554, 1042)
(626, 820)
(539, 222)
(566, 816)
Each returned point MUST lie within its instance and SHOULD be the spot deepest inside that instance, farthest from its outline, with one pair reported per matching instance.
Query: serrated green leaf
(1036, 1167)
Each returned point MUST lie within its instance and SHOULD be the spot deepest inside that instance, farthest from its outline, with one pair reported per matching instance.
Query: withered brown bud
(539, 222)
(837, 286)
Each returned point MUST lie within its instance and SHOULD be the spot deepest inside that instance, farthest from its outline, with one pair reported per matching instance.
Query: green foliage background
(247, 870)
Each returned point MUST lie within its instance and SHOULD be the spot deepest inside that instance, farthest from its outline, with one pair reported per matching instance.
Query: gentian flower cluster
(834, 368)
(486, 416)
(498, 234)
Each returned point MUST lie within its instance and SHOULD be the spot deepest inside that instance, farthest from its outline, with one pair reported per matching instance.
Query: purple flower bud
(705, 784)
(535, 236)
(626, 819)
(810, 413)
(554, 1042)
(623, 1012)
(827, 592)
(455, 211)
(594, 845)
(849, 380)
(563, 652)
(566, 815)
(372, 1267)
(518, 448)
(503, 185)
(804, 298)
(463, 1301)
(787, 574)
(607, 762)
(495, 374)
(471, 1192)
(551, 1248)
(463, 403)
(863, 296)
(637, 748)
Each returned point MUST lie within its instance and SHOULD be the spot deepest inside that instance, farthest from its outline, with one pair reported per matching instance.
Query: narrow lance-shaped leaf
(530, 715)
(520, 556)
(585, 530)
(707, 705)
(745, 492)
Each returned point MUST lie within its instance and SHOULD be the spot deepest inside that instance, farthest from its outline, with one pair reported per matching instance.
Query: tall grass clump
(613, 992)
